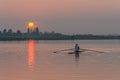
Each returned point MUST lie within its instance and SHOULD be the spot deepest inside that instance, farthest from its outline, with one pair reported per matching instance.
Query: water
(35, 60)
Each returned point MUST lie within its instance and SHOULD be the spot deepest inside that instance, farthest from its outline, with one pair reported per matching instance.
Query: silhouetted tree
(28, 31)
(9, 32)
(4, 31)
(18, 32)
(37, 30)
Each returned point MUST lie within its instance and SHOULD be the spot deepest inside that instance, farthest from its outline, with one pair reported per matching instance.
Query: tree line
(8, 34)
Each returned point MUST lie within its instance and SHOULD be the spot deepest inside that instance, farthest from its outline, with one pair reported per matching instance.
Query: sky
(64, 16)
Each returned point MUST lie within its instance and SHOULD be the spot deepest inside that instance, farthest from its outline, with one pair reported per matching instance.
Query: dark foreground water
(35, 60)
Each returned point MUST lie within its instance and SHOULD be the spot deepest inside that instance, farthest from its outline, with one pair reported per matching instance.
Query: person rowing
(76, 48)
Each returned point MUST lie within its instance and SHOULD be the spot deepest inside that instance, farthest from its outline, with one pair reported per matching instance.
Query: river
(35, 60)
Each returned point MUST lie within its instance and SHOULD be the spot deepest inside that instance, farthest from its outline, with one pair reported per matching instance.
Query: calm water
(35, 60)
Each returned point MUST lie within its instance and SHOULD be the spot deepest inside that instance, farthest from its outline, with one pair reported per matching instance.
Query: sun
(31, 24)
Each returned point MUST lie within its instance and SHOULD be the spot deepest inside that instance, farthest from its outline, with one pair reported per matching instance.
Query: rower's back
(76, 48)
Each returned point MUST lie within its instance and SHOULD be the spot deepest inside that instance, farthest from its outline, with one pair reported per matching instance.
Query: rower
(76, 48)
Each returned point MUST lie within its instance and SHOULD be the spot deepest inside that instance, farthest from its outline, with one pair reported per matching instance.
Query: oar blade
(63, 50)
(93, 50)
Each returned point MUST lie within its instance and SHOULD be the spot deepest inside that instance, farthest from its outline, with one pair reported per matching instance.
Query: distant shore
(9, 35)
(21, 38)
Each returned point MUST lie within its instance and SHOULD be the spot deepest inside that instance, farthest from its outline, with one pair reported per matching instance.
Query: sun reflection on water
(31, 54)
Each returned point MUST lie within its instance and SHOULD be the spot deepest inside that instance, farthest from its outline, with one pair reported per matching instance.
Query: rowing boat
(74, 52)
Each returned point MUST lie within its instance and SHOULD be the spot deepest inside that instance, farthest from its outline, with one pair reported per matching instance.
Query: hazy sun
(31, 24)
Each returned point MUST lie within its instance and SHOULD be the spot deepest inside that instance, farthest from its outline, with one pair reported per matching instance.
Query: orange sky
(48, 7)
(56, 14)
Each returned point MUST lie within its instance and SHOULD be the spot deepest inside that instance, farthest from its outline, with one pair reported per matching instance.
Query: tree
(9, 32)
(18, 32)
(28, 31)
(37, 30)
(4, 31)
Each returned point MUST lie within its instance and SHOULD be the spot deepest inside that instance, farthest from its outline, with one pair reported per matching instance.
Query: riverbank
(17, 38)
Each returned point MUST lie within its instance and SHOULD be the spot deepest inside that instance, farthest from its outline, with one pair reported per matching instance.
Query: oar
(63, 50)
(74, 52)
(93, 50)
